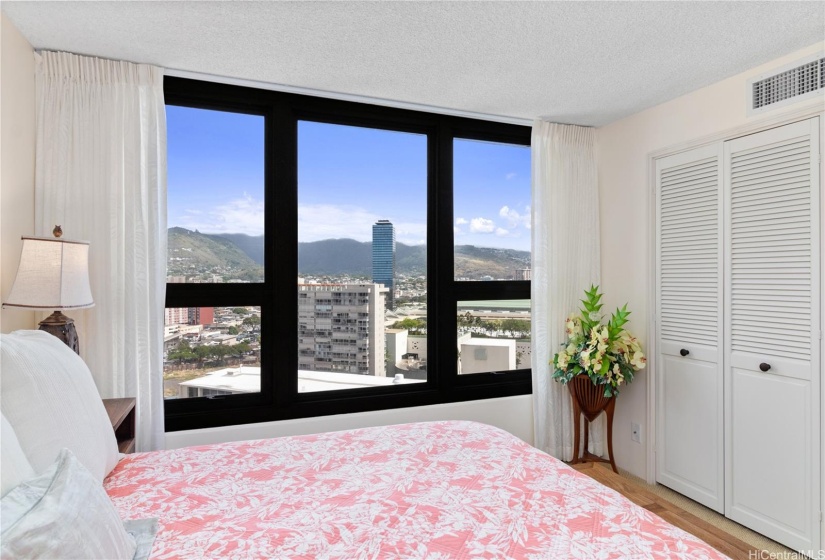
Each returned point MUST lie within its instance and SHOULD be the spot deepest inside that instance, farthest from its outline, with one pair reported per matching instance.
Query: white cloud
(457, 231)
(514, 218)
(241, 215)
(460, 221)
(501, 232)
(327, 221)
(510, 176)
(482, 225)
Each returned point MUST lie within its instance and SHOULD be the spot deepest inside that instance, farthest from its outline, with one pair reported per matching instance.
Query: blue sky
(348, 178)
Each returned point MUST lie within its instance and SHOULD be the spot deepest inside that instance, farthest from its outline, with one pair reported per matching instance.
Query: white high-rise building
(523, 274)
(341, 328)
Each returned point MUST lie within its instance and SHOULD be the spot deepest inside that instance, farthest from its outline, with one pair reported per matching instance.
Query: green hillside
(239, 256)
(198, 255)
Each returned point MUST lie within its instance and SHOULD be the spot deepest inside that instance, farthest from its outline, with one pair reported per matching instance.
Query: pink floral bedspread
(430, 490)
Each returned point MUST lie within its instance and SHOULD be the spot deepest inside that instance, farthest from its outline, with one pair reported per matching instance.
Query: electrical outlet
(635, 432)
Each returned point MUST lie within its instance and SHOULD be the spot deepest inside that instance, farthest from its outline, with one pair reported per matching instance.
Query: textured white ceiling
(586, 63)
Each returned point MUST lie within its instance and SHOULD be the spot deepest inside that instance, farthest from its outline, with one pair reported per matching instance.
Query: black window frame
(279, 398)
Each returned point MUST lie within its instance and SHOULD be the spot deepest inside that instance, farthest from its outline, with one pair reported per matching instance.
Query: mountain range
(245, 253)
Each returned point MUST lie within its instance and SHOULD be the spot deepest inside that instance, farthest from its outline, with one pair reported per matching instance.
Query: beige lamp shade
(53, 274)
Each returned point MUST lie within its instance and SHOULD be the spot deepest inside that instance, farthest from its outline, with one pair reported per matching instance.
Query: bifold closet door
(689, 439)
(772, 376)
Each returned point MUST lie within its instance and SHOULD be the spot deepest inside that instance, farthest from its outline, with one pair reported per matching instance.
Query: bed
(425, 490)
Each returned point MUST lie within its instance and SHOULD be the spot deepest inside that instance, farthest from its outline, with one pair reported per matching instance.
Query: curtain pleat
(566, 261)
(101, 174)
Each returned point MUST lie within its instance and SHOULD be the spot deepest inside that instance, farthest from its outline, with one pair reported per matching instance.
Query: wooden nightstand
(122, 415)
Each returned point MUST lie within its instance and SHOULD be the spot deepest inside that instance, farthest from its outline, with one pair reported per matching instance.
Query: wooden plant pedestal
(589, 401)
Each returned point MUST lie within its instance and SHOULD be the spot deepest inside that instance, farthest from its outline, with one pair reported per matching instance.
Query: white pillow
(14, 467)
(62, 513)
(49, 397)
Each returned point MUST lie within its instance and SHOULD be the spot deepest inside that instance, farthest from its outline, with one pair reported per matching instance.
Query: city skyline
(349, 177)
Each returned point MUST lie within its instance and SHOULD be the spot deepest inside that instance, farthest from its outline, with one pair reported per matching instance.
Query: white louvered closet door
(772, 338)
(689, 442)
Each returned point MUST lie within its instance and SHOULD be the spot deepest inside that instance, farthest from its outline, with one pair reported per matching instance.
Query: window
(491, 192)
(215, 250)
(329, 257)
(210, 351)
(493, 336)
(362, 247)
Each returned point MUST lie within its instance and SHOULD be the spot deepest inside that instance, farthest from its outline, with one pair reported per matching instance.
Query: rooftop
(247, 379)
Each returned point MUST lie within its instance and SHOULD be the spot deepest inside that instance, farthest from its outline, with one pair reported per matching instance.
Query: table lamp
(53, 274)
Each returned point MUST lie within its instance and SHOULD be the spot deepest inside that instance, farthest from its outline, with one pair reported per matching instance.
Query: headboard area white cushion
(49, 397)
(14, 466)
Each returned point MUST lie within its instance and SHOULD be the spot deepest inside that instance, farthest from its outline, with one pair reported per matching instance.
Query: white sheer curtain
(565, 262)
(101, 174)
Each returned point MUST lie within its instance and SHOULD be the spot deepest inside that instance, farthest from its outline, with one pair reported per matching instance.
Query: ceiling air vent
(801, 80)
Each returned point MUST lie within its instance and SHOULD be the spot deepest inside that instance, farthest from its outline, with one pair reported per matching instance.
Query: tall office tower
(383, 258)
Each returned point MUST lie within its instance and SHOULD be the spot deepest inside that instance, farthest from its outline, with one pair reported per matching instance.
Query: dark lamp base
(63, 328)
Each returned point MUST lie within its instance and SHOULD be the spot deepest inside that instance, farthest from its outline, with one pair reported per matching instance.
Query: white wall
(16, 162)
(624, 147)
(513, 414)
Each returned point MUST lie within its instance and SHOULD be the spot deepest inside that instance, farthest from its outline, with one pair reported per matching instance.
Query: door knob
(684, 352)
(764, 367)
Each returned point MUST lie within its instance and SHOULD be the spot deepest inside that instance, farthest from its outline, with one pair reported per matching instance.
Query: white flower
(561, 360)
(638, 361)
(573, 327)
(594, 334)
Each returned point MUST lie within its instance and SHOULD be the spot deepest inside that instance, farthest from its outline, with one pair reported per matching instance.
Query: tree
(233, 330)
(240, 310)
(465, 320)
(239, 349)
(252, 320)
(410, 324)
(516, 327)
(218, 352)
(202, 353)
(183, 352)
(489, 327)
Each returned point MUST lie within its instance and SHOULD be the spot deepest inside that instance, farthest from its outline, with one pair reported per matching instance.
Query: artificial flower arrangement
(608, 354)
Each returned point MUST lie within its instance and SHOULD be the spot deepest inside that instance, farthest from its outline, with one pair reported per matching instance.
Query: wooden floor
(715, 537)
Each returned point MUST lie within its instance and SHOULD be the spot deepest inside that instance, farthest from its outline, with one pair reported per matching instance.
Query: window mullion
(444, 297)
(282, 228)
